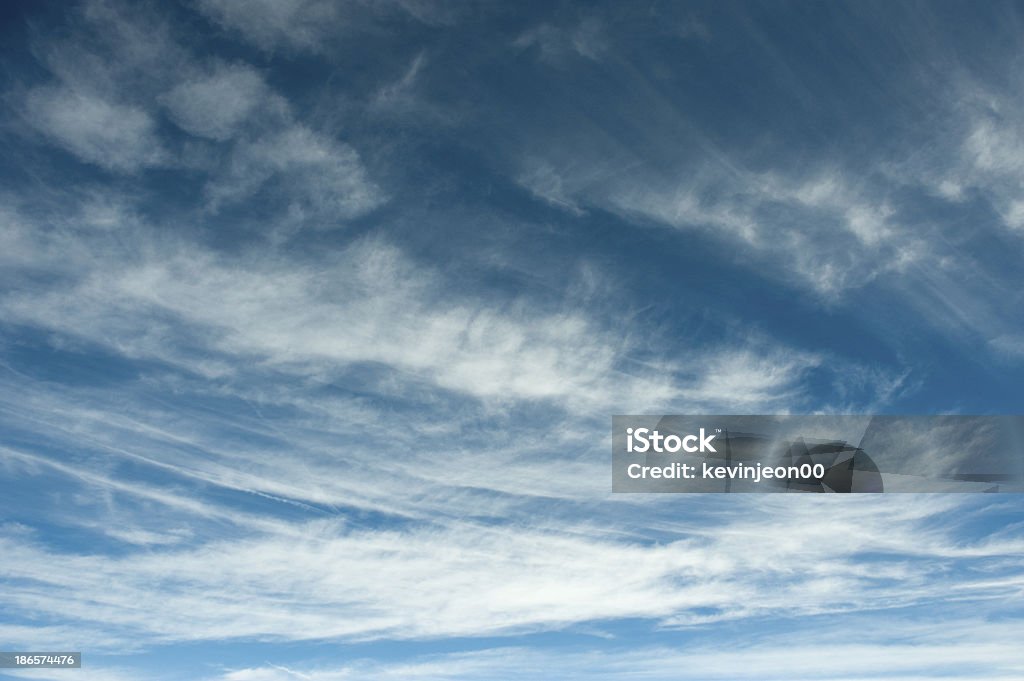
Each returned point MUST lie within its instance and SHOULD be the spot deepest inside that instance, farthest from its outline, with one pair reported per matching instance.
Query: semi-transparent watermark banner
(818, 453)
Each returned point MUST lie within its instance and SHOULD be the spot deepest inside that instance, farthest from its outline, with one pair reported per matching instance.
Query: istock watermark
(846, 454)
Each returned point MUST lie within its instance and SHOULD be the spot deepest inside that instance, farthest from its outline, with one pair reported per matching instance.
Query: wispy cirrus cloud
(821, 230)
(465, 579)
(381, 308)
(974, 649)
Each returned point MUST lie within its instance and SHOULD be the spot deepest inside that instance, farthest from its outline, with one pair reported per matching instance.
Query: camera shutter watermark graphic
(820, 453)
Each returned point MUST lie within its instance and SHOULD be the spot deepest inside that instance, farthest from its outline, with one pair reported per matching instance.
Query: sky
(314, 315)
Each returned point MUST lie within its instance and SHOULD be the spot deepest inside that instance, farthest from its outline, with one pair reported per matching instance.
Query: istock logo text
(653, 441)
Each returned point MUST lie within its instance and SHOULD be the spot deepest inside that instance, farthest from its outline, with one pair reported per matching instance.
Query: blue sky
(314, 316)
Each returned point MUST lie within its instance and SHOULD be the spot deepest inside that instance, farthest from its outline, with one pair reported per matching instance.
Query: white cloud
(118, 65)
(682, 207)
(542, 180)
(379, 307)
(312, 25)
(215, 104)
(112, 77)
(404, 98)
(991, 160)
(464, 579)
(880, 650)
(1009, 345)
(114, 49)
(106, 67)
(1013, 214)
(399, 94)
(114, 136)
(749, 379)
(323, 179)
(555, 44)
(824, 231)
(96, 673)
(819, 229)
(269, 23)
(981, 153)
